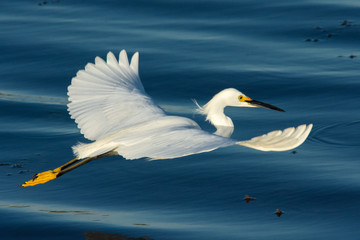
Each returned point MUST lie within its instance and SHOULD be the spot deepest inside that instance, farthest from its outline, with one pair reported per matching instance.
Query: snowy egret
(110, 106)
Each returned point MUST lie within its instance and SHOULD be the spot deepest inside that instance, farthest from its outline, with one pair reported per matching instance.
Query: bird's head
(214, 109)
(234, 98)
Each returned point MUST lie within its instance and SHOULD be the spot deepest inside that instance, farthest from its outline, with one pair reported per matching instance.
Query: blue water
(292, 54)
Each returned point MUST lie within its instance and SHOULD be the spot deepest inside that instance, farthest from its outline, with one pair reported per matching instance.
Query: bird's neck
(218, 118)
(214, 111)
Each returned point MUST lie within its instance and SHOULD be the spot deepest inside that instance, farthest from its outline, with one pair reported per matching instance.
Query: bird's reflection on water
(111, 236)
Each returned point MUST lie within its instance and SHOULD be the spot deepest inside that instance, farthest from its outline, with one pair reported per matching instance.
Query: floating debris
(311, 40)
(46, 2)
(352, 56)
(247, 198)
(294, 152)
(331, 32)
(278, 212)
(321, 29)
(346, 23)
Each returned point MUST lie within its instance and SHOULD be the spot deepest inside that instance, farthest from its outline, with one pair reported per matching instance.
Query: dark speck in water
(4, 164)
(311, 40)
(278, 212)
(352, 56)
(248, 199)
(346, 23)
(293, 152)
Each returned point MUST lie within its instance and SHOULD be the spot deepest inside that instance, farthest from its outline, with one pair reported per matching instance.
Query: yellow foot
(42, 177)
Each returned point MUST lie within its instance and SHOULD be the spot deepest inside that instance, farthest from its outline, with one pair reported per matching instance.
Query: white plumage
(109, 96)
(279, 140)
(111, 107)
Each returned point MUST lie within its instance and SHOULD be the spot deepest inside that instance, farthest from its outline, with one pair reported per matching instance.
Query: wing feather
(279, 140)
(174, 144)
(135, 63)
(108, 96)
(123, 59)
(164, 138)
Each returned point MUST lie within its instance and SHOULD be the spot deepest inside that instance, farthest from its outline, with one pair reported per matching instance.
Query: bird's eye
(241, 98)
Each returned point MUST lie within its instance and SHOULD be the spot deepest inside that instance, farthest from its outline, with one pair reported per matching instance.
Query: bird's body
(163, 138)
(110, 106)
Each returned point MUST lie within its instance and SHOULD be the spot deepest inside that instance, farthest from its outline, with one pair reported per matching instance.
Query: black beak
(263, 105)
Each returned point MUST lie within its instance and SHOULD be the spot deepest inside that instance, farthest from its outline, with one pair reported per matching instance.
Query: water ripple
(339, 134)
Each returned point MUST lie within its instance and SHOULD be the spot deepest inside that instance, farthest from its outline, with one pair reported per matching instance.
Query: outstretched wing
(166, 137)
(108, 96)
(173, 137)
(279, 140)
(169, 138)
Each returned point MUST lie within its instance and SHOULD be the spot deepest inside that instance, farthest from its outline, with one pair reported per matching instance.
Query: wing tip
(123, 58)
(110, 57)
(290, 142)
(134, 64)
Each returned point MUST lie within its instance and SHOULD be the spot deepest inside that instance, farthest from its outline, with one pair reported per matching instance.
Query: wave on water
(19, 97)
(338, 135)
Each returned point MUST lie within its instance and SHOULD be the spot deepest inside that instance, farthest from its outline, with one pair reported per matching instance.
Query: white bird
(110, 106)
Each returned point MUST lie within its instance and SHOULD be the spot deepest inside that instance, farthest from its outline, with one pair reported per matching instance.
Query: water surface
(300, 56)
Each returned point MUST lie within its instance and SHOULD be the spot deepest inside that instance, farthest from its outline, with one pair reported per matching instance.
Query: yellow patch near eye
(243, 98)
